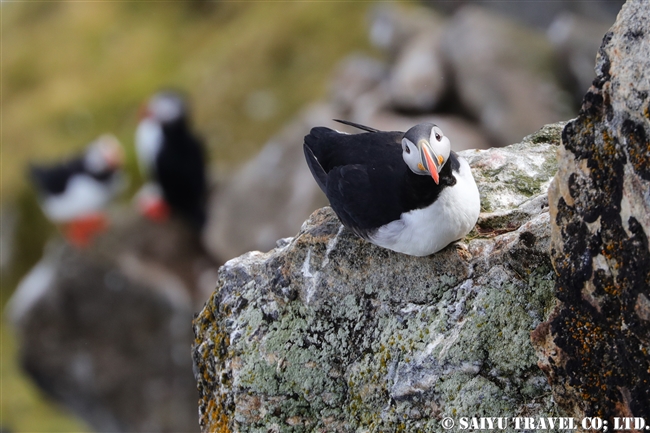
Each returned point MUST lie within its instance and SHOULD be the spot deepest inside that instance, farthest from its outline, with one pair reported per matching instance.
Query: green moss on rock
(330, 333)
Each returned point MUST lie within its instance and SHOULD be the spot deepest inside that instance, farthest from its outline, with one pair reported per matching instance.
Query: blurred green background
(74, 70)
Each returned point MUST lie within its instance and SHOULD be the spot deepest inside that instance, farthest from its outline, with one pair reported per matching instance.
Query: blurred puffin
(407, 192)
(73, 193)
(173, 158)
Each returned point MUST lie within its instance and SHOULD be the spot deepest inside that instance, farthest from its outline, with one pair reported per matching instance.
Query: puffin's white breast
(148, 141)
(83, 195)
(425, 231)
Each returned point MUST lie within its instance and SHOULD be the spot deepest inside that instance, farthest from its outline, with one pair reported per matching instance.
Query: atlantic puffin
(73, 193)
(407, 192)
(172, 157)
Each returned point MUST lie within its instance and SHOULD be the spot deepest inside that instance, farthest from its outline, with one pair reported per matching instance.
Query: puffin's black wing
(314, 166)
(361, 174)
(53, 179)
(356, 198)
(180, 171)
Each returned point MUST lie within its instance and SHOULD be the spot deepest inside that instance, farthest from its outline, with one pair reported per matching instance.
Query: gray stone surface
(576, 40)
(594, 349)
(504, 74)
(539, 14)
(355, 76)
(330, 333)
(106, 330)
(392, 26)
(419, 79)
(249, 212)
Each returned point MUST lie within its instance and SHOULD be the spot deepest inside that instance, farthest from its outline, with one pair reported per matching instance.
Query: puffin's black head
(165, 108)
(425, 149)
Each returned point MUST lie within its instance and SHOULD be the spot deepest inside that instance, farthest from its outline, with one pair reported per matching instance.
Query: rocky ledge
(595, 348)
(327, 332)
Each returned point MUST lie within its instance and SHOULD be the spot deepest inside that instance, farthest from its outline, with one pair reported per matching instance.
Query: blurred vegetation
(74, 70)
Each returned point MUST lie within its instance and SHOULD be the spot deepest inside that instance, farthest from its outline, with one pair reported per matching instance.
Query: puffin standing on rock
(73, 193)
(173, 157)
(407, 192)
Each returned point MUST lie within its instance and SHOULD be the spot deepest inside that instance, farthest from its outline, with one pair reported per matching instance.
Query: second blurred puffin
(73, 193)
(174, 159)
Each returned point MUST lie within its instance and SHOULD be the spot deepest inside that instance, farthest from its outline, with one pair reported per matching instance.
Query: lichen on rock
(328, 332)
(594, 349)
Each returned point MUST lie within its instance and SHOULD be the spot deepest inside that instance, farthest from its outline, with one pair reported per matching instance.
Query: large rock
(504, 74)
(355, 76)
(419, 80)
(540, 14)
(594, 349)
(392, 27)
(330, 333)
(271, 195)
(576, 41)
(106, 331)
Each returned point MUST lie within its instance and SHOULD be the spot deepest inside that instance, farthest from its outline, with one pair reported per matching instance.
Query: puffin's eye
(406, 149)
(438, 137)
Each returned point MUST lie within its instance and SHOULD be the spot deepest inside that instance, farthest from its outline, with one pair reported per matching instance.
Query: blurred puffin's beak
(427, 157)
(143, 111)
(113, 152)
(116, 159)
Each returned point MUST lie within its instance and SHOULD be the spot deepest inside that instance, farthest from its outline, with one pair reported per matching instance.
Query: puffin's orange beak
(116, 159)
(112, 151)
(143, 111)
(431, 166)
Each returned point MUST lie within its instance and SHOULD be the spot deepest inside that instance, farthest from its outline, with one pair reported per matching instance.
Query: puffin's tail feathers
(356, 125)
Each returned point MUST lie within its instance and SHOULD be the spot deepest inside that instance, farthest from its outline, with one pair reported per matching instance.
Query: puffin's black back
(180, 171)
(366, 179)
(53, 179)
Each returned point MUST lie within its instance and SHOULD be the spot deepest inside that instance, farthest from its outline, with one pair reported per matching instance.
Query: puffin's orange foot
(151, 204)
(156, 210)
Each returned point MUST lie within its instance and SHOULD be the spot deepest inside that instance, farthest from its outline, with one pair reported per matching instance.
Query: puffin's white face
(426, 149)
(104, 154)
